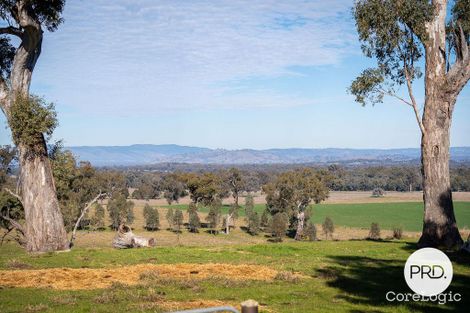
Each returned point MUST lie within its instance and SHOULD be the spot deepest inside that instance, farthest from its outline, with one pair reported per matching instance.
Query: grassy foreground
(408, 215)
(341, 276)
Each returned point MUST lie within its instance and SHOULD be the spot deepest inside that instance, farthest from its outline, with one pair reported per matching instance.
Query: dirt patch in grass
(85, 278)
(183, 305)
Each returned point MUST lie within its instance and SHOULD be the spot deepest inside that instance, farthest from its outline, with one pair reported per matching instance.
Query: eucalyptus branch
(413, 101)
(391, 94)
(10, 30)
(15, 224)
(458, 75)
(17, 196)
(463, 43)
(7, 232)
(85, 209)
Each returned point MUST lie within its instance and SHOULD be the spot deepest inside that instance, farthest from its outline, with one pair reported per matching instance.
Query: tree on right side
(398, 34)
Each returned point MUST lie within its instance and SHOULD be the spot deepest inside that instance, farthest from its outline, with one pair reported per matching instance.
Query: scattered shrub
(170, 217)
(194, 220)
(374, 232)
(311, 232)
(178, 220)
(249, 205)
(328, 227)
(279, 225)
(120, 211)
(214, 217)
(397, 233)
(378, 192)
(152, 218)
(253, 223)
(264, 219)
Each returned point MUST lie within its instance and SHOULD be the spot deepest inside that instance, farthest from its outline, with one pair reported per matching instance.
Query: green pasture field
(408, 215)
(340, 276)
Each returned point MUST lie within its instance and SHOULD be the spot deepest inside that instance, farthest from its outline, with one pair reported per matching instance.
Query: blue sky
(219, 74)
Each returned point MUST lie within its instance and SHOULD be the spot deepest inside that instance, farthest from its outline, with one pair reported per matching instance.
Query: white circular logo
(428, 272)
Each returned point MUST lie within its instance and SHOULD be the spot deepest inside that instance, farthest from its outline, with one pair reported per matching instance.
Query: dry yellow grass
(85, 278)
(185, 305)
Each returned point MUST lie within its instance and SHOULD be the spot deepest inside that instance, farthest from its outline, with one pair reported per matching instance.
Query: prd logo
(428, 272)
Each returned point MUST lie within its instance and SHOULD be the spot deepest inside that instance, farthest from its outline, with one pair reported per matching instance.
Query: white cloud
(126, 56)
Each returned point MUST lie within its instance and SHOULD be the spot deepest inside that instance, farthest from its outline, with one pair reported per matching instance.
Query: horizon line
(240, 149)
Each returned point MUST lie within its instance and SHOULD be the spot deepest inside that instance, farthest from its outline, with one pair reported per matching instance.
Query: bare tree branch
(458, 76)
(9, 230)
(85, 209)
(10, 30)
(459, 73)
(391, 94)
(413, 101)
(15, 224)
(463, 43)
(14, 194)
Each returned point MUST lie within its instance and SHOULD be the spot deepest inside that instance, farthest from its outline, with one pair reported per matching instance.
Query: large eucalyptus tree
(28, 118)
(398, 34)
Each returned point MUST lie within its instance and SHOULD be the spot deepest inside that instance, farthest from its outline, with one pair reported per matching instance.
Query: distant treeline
(394, 178)
(340, 178)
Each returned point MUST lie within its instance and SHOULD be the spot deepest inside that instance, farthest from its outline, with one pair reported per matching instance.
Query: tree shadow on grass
(366, 281)
(457, 257)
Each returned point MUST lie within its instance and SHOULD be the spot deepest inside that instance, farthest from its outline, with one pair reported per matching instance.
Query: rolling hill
(153, 154)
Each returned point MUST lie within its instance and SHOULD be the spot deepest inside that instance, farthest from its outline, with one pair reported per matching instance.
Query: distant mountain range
(153, 154)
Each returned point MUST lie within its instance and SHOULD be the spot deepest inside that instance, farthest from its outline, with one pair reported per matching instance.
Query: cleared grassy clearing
(341, 276)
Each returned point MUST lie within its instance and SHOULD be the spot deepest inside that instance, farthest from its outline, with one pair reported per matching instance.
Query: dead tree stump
(125, 239)
(249, 306)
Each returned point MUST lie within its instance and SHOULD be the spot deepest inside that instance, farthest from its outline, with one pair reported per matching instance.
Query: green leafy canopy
(46, 13)
(391, 32)
(30, 119)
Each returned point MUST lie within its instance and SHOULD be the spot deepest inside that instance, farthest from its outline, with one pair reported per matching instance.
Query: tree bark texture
(44, 229)
(439, 225)
(300, 225)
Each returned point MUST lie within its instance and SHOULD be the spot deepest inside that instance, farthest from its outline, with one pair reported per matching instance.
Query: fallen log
(125, 239)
